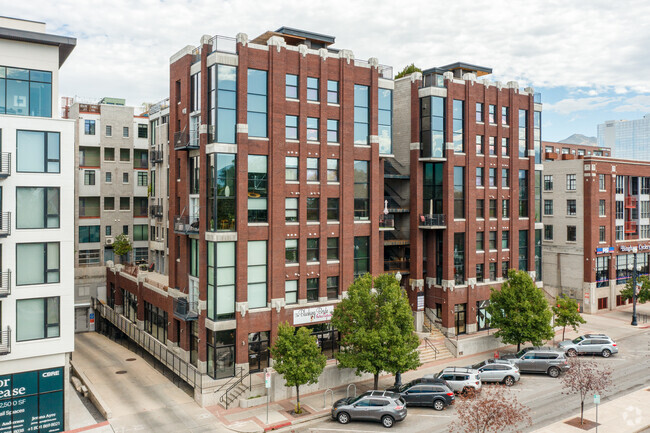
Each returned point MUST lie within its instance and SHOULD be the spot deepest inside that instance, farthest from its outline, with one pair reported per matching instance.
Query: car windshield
(352, 400)
(479, 365)
(407, 386)
(521, 353)
(578, 340)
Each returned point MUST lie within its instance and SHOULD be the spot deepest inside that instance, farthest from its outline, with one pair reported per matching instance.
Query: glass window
(37, 263)
(492, 177)
(523, 133)
(505, 239)
(523, 250)
(89, 177)
(332, 248)
(312, 169)
(220, 353)
(433, 135)
(291, 168)
(257, 188)
(221, 192)
(89, 207)
(459, 258)
(571, 207)
(480, 208)
(332, 287)
(332, 170)
(492, 240)
(505, 178)
(37, 208)
(480, 150)
(291, 209)
(385, 121)
(480, 244)
(291, 127)
(505, 146)
(109, 154)
(125, 203)
(459, 192)
(312, 89)
(257, 103)
(458, 126)
(312, 250)
(361, 255)
(332, 131)
(257, 274)
(25, 92)
(313, 129)
(109, 203)
(142, 178)
(492, 146)
(89, 257)
(88, 234)
(312, 289)
(222, 103)
(312, 209)
(548, 207)
(505, 116)
(505, 208)
(602, 234)
(125, 131)
(140, 232)
(142, 131)
(523, 193)
(291, 86)
(37, 318)
(479, 176)
(548, 182)
(109, 131)
(333, 209)
(332, 92)
(361, 193)
(571, 233)
(291, 251)
(89, 127)
(125, 177)
(548, 232)
(221, 280)
(361, 114)
(571, 182)
(492, 113)
(493, 208)
(125, 155)
(291, 292)
(479, 112)
(37, 152)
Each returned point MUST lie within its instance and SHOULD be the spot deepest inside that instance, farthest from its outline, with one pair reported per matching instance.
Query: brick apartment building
(562, 151)
(275, 200)
(472, 150)
(596, 209)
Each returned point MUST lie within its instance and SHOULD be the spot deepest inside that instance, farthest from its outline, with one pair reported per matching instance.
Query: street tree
(584, 378)
(375, 323)
(567, 313)
(408, 70)
(520, 311)
(643, 294)
(122, 245)
(297, 358)
(495, 409)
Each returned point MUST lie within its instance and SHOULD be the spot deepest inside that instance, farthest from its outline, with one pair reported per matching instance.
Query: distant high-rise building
(628, 139)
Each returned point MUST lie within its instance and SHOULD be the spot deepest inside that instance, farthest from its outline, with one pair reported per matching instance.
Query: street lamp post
(634, 270)
(398, 375)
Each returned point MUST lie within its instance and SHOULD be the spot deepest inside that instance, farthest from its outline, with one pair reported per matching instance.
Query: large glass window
(523, 133)
(432, 192)
(140, 232)
(459, 258)
(221, 353)
(37, 208)
(291, 86)
(257, 188)
(291, 168)
(37, 263)
(195, 92)
(221, 192)
(256, 274)
(37, 318)
(88, 234)
(313, 129)
(385, 121)
(313, 209)
(332, 209)
(361, 114)
(537, 136)
(38, 152)
(602, 272)
(361, 193)
(459, 192)
(89, 207)
(523, 250)
(361, 255)
(89, 127)
(155, 322)
(257, 103)
(523, 193)
(433, 127)
(194, 258)
(25, 92)
(291, 209)
(458, 126)
(222, 103)
(221, 281)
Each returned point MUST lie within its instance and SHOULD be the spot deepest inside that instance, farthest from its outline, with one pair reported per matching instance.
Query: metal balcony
(156, 156)
(5, 341)
(156, 210)
(432, 221)
(5, 284)
(186, 225)
(630, 226)
(386, 222)
(630, 202)
(185, 310)
(5, 224)
(183, 141)
(5, 164)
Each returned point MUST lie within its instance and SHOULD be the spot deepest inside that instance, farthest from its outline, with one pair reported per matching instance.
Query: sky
(588, 58)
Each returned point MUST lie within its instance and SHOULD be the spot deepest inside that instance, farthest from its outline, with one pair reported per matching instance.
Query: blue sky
(589, 59)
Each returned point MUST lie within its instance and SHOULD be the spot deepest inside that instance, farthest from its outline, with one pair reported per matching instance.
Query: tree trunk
(376, 381)
(582, 411)
(563, 330)
(518, 346)
(298, 410)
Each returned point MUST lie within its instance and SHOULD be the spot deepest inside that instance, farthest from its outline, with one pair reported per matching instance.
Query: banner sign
(629, 248)
(420, 301)
(312, 315)
(604, 250)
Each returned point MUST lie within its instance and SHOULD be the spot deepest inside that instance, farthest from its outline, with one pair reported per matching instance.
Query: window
(89, 207)
(385, 121)
(37, 318)
(332, 248)
(291, 209)
(479, 112)
(480, 150)
(125, 131)
(602, 271)
(312, 289)
(125, 155)
(492, 146)
(37, 152)
(601, 234)
(221, 192)
(109, 154)
(291, 127)
(333, 209)
(433, 136)
(291, 251)
(332, 131)
(140, 232)
(523, 250)
(89, 127)
(88, 234)
(155, 322)
(493, 273)
(109, 203)
(142, 178)
(109, 131)
(195, 92)
(332, 92)
(312, 209)
(505, 240)
(459, 192)
(480, 208)
(459, 258)
(37, 208)
(479, 272)
(312, 250)
(548, 232)
(313, 129)
(361, 255)
(89, 257)
(620, 184)
(361, 114)
(332, 170)
(257, 188)
(571, 207)
(505, 266)
(492, 177)
(548, 182)
(25, 92)
(291, 292)
(312, 169)
(257, 104)
(492, 114)
(291, 168)
(332, 287)
(221, 280)
(479, 176)
(108, 230)
(505, 116)
(142, 131)
(548, 207)
(222, 103)
(523, 193)
(361, 193)
(140, 158)
(37, 263)
(312, 89)
(125, 203)
(505, 178)
(125, 177)
(256, 274)
(619, 233)
(457, 125)
(505, 146)
(601, 182)
(291, 86)
(493, 208)
(523, 133)
(109, 177)
(480, 244)
(571, 233)
(571, 182)
(620, 210)
(602, 209)
(505, 208)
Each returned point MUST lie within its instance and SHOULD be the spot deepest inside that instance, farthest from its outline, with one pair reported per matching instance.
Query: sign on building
(312, 315)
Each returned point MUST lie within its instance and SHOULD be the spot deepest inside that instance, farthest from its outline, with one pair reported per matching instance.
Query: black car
(426, 392)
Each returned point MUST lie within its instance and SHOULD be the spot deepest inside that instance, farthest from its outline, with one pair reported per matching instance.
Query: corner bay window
(257, 274)
(361, 114)
(459, 258)
(432, 130)
(257, 103)
(220, 347)
(222, 103)
(221, 281)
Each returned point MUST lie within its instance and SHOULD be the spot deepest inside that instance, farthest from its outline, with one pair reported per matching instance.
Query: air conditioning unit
(109, 241)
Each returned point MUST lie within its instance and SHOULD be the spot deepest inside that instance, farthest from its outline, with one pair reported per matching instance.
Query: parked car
(542, 361)
(591, 344)
(524, 351)
(426, 392)
(496, 370)
(383, 406)
(460, 379)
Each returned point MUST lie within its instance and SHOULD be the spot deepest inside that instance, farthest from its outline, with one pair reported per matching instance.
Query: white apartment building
(36, 229)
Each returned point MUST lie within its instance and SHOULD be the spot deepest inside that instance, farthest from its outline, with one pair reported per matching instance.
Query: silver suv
(592, 344)
(383, 406)
(542, 361)
(460, 379)
(501, 371)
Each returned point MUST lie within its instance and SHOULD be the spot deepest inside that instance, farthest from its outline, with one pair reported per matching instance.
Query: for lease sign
(312, 315)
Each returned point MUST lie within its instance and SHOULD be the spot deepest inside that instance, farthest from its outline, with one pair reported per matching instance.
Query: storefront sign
(32, 401)
(604, 250)
(630, 248)
(312, 315)
(420, 301)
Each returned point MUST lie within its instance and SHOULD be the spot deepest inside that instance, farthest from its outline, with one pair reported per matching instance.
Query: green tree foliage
(567, 313)
(122, 245)
(643, 295)
(408, 70)
(520, 311)
(297, 357)
(376, 328)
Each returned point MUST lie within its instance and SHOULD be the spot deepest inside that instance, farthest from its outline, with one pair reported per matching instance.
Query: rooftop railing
(159, 106)
(386, 72)
(186, 310)
(224, 44)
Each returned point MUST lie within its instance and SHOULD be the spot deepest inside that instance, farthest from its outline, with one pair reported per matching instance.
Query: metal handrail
(223, 44)
(5, 164)
(428, 343)
(5, 224)
(186, 224)
(347, 390)
(432, 220)
(224, 396)
(5, 341)
(5, 283)
(331, 397)
(386, 220)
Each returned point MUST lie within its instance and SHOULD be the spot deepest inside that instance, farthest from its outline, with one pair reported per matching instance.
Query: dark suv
(426, 392)
(523, 351)
(383, 406)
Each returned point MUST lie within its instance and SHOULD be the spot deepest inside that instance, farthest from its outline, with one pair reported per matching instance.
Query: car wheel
(343, 418)
(606, 353)
(438, 404)
(571, 352)
(554, 372)
(387, 421)
(509, 381)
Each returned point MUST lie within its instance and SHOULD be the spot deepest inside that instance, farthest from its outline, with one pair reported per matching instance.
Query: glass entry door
(258, 351)
(459, 312)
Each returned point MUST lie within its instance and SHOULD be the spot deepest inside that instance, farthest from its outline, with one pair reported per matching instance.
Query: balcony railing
(186, 310)
(159, 106)
(386, 221)
(224, 44)
(432, 221)
(630, 226)
(182, 141)
(630, 202)
(386, 72)
(186, 225)
(156, 210)
(156, 156)
(5, 164)
(5, 224)
(5, 284)
(5, 341)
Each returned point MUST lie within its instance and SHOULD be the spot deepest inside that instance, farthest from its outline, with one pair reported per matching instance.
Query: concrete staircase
(427, 354)
(232, 399)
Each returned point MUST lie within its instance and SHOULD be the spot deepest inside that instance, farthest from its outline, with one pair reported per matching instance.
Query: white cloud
(571, 105)
(634, 104)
